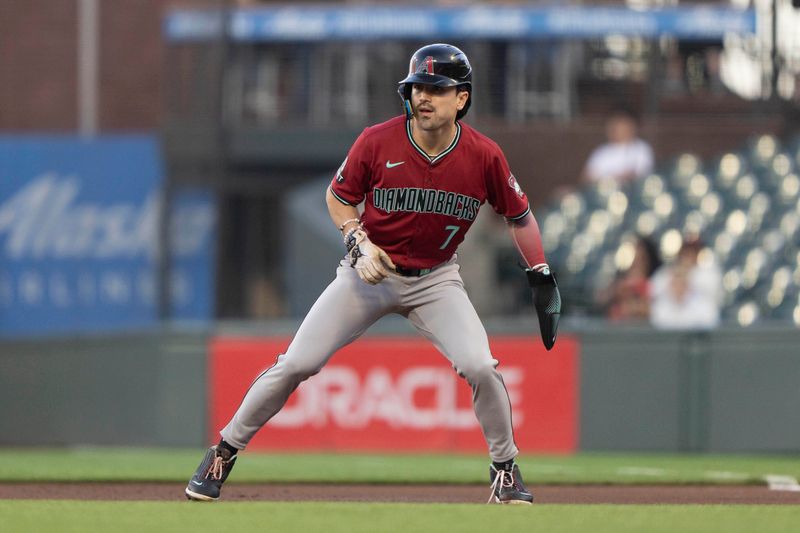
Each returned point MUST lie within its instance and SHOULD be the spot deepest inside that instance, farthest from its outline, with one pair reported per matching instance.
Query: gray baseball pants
(436, 304)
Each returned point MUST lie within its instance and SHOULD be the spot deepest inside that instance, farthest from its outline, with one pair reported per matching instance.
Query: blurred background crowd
(657, 139)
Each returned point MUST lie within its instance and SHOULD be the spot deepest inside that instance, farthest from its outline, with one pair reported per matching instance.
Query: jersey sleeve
(504, 193)
(351, 182)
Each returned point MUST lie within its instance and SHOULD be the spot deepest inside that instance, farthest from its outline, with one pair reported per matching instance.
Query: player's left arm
(546, 296)
(508, 199)
(528, 240)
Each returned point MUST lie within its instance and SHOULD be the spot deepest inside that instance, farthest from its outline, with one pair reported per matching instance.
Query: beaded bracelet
(346, 222)
(350, 233)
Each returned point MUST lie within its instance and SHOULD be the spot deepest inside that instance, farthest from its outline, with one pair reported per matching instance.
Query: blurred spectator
(628, 297)
(624, 156)
(688, 293)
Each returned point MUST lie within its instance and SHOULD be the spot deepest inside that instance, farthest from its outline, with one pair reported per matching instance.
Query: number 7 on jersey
(453, 230)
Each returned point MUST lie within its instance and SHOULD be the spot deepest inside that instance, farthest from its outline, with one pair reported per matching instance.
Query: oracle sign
(401, 394)
(417, 397)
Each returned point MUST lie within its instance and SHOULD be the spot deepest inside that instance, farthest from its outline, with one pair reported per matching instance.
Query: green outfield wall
(135, 389)
(732, 390)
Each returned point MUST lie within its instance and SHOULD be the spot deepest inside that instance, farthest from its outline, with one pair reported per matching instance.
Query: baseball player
(422, 178)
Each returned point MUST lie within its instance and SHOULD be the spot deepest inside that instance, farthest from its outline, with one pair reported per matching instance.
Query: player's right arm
(370, 261)
(344, 216)
(348, 188)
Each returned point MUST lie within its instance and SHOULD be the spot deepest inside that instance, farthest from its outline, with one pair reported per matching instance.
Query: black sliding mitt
(546, 301)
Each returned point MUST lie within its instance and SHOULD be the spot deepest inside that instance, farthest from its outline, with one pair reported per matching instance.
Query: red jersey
(416, 207)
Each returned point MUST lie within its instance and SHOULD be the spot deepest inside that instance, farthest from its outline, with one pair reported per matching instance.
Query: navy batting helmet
(442, 65)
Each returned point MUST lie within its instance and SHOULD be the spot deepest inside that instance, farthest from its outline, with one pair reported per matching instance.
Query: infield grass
(121, 517)
(171, 465)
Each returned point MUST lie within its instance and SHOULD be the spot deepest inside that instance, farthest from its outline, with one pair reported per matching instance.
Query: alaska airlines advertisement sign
(79, 226)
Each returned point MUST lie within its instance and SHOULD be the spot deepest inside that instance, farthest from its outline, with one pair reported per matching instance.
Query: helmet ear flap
(404, 90)
(407, 108)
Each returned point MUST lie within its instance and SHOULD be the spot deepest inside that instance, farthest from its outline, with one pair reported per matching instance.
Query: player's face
(436, 107)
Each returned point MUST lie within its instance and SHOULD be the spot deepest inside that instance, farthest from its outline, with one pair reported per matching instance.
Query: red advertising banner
(401, 394)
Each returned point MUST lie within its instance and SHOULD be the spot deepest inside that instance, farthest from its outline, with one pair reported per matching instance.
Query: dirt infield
(650, 494)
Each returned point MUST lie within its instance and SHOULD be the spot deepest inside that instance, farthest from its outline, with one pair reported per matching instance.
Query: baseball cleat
(508, 487)
(207, 481)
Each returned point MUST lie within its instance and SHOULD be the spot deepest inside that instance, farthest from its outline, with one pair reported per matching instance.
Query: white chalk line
(774, 481)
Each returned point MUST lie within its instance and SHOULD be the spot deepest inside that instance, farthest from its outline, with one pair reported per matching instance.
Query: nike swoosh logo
(196, 483)
(392, 165)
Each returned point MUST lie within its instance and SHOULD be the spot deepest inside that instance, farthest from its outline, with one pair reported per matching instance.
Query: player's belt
(415, 272)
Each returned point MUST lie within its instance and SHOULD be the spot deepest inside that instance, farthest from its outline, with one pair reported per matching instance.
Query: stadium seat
(761, 149)
(683, 168)
(788, 189)
(728, 168)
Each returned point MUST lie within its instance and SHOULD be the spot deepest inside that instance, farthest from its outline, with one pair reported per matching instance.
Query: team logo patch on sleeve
(339, 175)
(512, 182)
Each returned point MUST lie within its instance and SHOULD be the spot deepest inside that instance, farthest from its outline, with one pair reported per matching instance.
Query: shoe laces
(503, 478)
(217, 468)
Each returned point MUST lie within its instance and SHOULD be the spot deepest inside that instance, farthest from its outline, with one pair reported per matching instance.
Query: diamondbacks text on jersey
(419, 208)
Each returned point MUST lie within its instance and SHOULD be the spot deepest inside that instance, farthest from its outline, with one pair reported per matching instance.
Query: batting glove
(369, 260)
